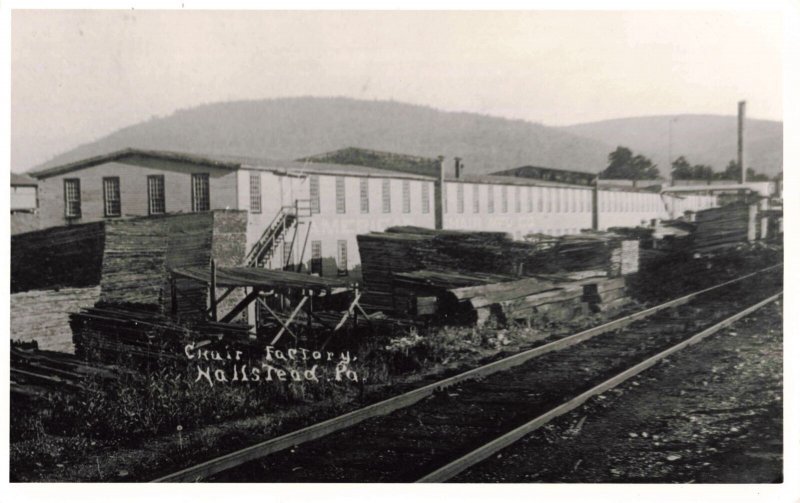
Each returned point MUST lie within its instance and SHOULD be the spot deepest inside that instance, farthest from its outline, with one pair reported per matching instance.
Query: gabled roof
(229, 162)
(232, 162)
(21, 180)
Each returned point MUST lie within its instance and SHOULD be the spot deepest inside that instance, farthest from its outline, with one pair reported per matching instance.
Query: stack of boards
(458, 275)
(724, 226)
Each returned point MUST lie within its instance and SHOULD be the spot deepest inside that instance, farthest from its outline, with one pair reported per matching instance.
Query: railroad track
(433, 433)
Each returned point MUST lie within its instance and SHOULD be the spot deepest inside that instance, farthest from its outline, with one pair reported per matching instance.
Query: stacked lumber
(43, 315)
(133, 269)
(721, 227)
(406, 263)
(135, 337)
(606, 295)
(36, 373)
(57, 257)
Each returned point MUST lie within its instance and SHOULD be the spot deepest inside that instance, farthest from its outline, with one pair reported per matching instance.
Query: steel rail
(262, 449)
(476, 456)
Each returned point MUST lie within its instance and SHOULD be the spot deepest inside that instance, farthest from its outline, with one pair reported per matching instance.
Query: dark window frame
(196, 204)
(255, 192)
(77, 213)
(106, 181)
(151, 197)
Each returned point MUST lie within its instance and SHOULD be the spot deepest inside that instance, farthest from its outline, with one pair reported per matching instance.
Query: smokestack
(740, 149)
(459, 167)
(438, 195)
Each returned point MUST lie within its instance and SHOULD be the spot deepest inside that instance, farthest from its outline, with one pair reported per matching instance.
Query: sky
(79, 75)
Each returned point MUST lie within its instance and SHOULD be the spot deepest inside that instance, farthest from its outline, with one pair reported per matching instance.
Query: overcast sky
(76, 76)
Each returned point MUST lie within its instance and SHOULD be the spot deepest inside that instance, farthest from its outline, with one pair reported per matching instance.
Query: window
(558, 200)
(316, 257)
(342, 262)
(200, 192)
(490, 202)
(406, 196)
(539, 199)
(504, 198)
(549, 196)
(111, 198)
(313, 192)
(476, 198)
(444, 197)
(530, 199)
(255, 192)
(517, 200)
(72, 197)
(386, 195)
(364, 187)
(340, 202)
(155, 195)
(569, 200)
(426, 197)
(460, 198)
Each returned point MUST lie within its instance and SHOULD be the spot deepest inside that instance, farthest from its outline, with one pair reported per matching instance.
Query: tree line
(622, 163)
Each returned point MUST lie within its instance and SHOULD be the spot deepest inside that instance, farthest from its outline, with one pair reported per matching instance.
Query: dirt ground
(711, 413)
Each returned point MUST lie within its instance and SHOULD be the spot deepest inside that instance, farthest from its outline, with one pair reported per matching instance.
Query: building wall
(529, 209)
(133, 189)
(329, 226)
(629, 209)
(23, 198)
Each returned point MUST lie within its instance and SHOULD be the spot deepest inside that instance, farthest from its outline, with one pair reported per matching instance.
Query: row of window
(112, 198)
(364, 200)
(526, 199)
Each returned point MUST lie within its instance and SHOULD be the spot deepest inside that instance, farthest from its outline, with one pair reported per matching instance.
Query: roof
(390, 161)
(511, 180)
(550, 174)
(21, 180)
(228, 277)
(232, 162)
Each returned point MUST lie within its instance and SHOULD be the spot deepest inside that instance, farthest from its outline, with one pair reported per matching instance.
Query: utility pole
(740, 146)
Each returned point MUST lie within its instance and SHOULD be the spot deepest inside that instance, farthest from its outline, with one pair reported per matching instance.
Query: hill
(292, 128)
(702, 139)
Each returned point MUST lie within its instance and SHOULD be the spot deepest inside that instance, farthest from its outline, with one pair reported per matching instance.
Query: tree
(681, 169)
(623, 164)
(752, 176)
(702, 172)
(731, 172)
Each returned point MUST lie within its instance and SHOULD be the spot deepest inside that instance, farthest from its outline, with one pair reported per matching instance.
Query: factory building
(307, 214)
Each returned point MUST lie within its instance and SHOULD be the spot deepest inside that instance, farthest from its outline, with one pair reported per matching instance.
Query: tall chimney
(740, 149)
(438, 195)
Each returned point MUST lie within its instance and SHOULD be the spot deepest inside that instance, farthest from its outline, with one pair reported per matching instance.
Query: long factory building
(320, 204)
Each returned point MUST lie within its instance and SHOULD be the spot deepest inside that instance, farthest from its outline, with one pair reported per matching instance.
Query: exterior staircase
(277, 232)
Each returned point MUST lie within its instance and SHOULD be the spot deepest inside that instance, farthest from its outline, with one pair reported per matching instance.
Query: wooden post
(173, 287)
(309, 306)
(213, 290)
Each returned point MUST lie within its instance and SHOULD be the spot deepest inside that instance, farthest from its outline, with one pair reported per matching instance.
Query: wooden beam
(213, 290)
(291, 317)
(349, 311)
(241, 306)
(277, 318)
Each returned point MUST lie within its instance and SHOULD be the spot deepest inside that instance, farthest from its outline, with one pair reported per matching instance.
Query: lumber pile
(606, 295)
(134, 337)
(43, 315)
(721, 227)
(406, 270)
(69, 256)
(36, 373)
(133, 270)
